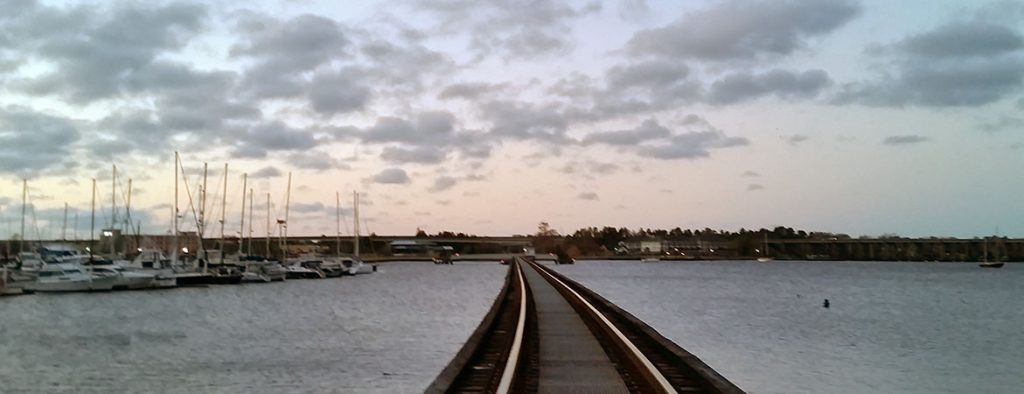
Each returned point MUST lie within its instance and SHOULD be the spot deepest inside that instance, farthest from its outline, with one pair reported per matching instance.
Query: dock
(548, 334)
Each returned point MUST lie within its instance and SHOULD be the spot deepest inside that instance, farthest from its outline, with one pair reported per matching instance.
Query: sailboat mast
(128, 215)
(337, 221)
(250, 221)
(24, 205)
(287, 203)
(113, 204)
(223, 210)
(92, 222)
(64, 228)
(267, 243)
(355, 226)
(174, 215)
(241, 226)
(202, 218)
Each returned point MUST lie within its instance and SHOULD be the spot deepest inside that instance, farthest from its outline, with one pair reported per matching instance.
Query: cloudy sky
(863, 117)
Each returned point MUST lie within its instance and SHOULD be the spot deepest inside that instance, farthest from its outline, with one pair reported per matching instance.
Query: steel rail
(517, 342)
(659, 378)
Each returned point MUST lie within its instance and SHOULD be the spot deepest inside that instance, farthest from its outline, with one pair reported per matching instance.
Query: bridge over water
(546, 333)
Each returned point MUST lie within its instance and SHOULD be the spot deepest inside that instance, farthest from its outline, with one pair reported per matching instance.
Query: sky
(489, 116)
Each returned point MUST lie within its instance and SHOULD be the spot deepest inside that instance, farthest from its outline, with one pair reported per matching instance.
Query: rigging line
(191, 203)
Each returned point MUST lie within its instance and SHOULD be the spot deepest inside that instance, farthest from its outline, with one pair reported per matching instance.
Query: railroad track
(547, 333)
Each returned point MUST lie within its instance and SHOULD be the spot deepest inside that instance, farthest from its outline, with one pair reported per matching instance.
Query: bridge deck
(571, 359)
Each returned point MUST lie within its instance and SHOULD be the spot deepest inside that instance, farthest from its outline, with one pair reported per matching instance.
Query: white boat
(254, 277)
(5, 280)
(124, 279)
(153, 262)
(30, 262)
(355, 265)
(62, 253)
(68, 277)
(650, 260)
(764, 251)
(300, 272)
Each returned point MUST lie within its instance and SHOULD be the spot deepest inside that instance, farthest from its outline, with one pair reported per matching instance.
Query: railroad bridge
(548, 334)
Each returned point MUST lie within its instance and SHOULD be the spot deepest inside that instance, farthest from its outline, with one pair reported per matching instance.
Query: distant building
(410, 247)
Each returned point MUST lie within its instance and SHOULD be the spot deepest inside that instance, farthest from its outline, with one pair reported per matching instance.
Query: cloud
(964, 39)
(443, 183)
(95, 58)
(796, 139)
(267, 172)
(692, 145)
(307, 207)
(391, 176)
(312, 160)
(964, 64)
(750, 174)
(1003, 123)
(419, 155)
(334, 92)
(744, 29)
(468, 90)
(590, 196)
(646, 131)
(754, 187)
(282, 50)
(523, 121)
(31, 142)
(650, 139)
(651, 73)
(780, 83)
(273, 136)
(904, 140)
(509, 28)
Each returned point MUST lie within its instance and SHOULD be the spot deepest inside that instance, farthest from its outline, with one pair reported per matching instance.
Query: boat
(985, 263)
(30, 262)
(123, 279)
(650, 260)
(68, 277)
(765, 258)
(152, 262)
(62, 253)
(5, 280)
(355, 265)
(254, 277)
(300, 272)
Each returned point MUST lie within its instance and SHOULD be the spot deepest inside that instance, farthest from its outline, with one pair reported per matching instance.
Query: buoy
(826, 304)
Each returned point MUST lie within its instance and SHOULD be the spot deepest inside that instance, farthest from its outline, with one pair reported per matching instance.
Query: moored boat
(123, 279)
(68, 277)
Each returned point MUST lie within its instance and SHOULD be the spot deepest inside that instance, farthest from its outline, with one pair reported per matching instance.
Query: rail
(503, 354)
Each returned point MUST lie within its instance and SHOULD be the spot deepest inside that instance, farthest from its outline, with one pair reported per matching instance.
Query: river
(891, 327)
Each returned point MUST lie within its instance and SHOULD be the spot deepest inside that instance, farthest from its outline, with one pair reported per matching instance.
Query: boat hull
(991, 265)
(207, 279)
(67, 286)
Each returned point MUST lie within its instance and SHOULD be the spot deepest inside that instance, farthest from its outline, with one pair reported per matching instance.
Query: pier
(548, 334)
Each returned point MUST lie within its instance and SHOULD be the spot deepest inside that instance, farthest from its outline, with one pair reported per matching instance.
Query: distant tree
(420, 233)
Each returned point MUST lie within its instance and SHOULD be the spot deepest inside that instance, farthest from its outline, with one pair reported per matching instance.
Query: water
(389, 332)
(891, 328)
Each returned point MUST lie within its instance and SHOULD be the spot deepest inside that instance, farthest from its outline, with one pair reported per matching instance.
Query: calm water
(388, 332)
(891, 328)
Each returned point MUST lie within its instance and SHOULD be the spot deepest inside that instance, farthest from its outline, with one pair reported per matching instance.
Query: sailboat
(355, 266)
(764, 251)
(984, 260)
